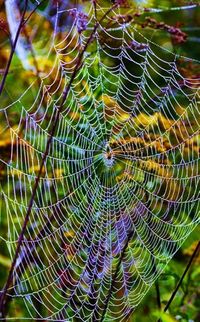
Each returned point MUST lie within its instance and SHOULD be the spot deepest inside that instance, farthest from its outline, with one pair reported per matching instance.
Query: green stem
(196, 251)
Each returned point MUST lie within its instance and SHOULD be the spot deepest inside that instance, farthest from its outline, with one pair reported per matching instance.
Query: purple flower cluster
(123, 3)
(81, 20)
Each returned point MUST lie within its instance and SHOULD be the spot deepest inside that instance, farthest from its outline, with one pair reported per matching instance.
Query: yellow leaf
(190, 250)
(5, 261)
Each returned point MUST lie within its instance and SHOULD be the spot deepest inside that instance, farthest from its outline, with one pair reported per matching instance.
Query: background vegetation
(184, 40)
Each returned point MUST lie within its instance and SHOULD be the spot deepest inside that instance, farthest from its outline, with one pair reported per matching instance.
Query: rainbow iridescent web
(119, 192)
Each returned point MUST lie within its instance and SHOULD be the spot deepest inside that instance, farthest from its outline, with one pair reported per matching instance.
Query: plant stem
(22, 23)
(130, 236)
(196, 251)
(3, 298)
(158, 294)
(158, 299)
(13, 47)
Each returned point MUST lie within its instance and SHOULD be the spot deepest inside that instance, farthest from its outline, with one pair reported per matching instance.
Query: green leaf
(44, 4)
(164, 316)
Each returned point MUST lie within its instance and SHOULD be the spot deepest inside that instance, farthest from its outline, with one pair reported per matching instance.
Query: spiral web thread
(124, 160)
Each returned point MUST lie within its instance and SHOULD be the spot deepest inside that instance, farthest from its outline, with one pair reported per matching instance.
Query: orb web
(119, 192)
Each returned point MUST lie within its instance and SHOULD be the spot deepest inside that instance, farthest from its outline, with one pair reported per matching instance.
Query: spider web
(119, 192)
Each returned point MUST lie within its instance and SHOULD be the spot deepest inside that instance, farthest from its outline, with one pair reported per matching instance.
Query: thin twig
(130, 236)
(22, 23)
(158, 298)
(13, 47)
(196, 251)
(32, 12)
(3, 298)
(158, 294)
